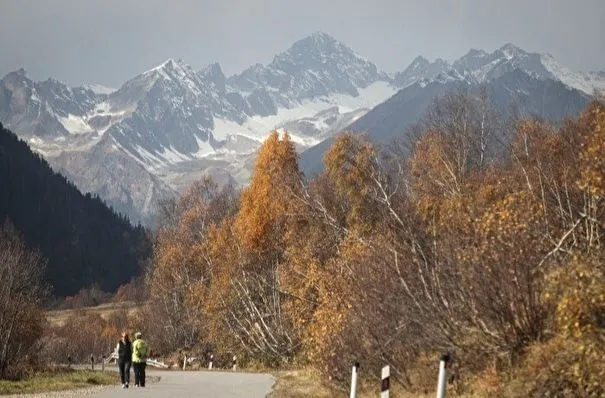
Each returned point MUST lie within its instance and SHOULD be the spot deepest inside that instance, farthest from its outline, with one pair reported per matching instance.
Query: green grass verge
(58, 380)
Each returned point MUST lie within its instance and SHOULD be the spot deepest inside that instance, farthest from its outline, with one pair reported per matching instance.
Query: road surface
(215, 384)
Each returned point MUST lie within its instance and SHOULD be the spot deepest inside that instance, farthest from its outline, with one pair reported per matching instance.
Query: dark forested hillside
(84, 241)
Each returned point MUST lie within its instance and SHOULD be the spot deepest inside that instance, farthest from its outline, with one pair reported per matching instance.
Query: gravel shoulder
(80, 392)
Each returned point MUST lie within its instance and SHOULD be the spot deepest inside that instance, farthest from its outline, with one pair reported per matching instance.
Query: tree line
(480, 235)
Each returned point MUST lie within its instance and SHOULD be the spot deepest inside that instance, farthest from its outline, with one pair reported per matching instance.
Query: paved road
(215, 384)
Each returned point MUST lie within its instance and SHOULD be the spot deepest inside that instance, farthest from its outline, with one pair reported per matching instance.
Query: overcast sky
(109, 41)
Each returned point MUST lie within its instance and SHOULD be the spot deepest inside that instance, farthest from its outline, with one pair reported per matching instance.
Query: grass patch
(304, 383)
(58, 380)
(58, 318)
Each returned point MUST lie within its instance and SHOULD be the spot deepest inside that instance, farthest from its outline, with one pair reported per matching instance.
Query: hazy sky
(109, 41)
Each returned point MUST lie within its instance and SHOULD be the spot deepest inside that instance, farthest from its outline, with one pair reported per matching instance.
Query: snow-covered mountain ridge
(174, 121)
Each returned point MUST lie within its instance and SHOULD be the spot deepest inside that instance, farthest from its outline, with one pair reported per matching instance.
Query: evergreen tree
(84, 240)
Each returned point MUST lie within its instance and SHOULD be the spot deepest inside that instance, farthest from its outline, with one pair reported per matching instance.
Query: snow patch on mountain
(260, 126)
(368, 97)
(98, 88)
(150, 161)
(173, 156)
(485, 67)
(204, 150)
(75, 124)
(586, 82)
(257, 127)
(224, 128)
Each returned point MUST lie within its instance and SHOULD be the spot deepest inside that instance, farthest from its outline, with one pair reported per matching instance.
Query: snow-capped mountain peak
(174, 122)
(213, 70)
(169, 64)
(419, 63)
(171, 69)
(321, 57)
(214, 76)
(19, 76)
(317, 65)
(421, 69)
(511, 51)
(587, 82)
(98, 88)
(486, 67)
(314, 50)
(317, 42)
(44, 110)
(472, 60)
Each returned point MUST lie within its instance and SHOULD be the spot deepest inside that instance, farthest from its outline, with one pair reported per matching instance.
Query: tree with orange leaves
(251, 250)
(180, 262)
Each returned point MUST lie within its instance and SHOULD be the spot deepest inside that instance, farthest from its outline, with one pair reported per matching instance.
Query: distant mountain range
(162, 129)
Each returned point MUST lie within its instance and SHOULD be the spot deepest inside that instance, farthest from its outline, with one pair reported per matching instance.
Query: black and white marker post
(234, 363)
(386, 382)
(210, 363)
(441, 384)
(354, 380)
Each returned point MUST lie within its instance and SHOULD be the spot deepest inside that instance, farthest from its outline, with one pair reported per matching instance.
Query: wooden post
(92, 362)
(103, 364)
(185, 362)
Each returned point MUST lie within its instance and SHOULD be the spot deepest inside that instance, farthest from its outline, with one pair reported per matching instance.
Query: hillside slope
(84, 241)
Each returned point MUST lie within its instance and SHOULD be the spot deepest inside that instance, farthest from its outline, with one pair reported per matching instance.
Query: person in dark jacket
(124, 350)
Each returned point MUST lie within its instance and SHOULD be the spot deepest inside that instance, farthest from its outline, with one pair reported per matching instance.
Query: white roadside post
(386, 383)
(185, 362)
(354, 372)
(234, 362)
(441, 383)
(210, 363)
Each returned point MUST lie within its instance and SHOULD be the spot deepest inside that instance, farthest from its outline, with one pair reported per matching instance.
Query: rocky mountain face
(138, 192)
(529, 95)
(313, 67)
(43, 109)
(163, 128)
(486, 67)
(421, 69)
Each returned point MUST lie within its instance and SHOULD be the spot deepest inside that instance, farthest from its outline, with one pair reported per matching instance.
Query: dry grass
(306, 383)
(58, 318)
(58, 380)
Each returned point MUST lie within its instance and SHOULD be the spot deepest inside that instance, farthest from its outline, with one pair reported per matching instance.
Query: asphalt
(203, 384)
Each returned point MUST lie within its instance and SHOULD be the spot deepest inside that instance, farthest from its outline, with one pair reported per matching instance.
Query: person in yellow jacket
(140, 351)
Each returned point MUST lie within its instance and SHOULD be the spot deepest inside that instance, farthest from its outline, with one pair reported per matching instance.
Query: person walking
(140, 351)
(124, 350)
